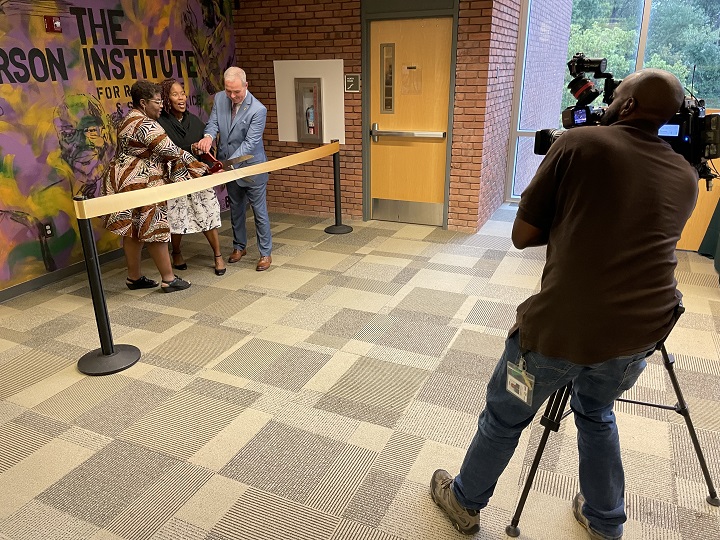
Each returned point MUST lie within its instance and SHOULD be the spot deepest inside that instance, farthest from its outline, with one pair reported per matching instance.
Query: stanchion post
(338, 228)
(109, 358)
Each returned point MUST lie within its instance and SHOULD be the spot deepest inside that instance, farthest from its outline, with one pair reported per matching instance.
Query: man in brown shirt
(610, 202)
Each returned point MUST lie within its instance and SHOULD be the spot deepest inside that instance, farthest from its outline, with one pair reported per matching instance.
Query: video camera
(691, 133)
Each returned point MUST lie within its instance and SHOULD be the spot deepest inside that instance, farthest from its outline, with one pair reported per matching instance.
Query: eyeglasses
(158, 101)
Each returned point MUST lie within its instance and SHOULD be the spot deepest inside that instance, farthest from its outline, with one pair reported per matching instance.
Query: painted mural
(66, 68)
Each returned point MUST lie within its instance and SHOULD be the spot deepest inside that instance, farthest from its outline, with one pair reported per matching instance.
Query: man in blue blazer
(239, 118)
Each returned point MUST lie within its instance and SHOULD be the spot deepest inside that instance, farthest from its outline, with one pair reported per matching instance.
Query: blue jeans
(239, 196)
(595, 388)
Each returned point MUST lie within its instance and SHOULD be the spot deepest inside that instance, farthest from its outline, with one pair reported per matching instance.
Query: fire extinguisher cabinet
(308, 110)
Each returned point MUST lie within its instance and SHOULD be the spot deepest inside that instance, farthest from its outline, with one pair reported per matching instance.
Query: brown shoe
(236, 255)
(264, 263)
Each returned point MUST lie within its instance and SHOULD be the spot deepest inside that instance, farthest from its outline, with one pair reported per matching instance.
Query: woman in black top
(198, 212)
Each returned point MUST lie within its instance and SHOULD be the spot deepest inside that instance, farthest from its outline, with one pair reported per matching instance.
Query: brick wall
(496, 136)
(487, 40)
(269, 30)
(471, 72)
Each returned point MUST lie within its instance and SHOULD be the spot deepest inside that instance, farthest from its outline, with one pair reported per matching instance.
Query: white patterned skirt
(193, 213)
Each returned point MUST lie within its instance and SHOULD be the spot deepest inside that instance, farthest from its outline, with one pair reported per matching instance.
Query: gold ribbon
(101, 206)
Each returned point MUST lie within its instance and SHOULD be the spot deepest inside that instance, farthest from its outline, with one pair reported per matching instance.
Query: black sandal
(177, 284)
(141, 283)
(219, 271)
(182, 266)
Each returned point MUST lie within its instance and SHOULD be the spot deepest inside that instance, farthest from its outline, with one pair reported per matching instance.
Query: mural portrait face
(86, 141)
(209, 39)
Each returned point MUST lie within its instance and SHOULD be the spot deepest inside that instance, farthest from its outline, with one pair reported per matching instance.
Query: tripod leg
(551, 420)
(682, 409)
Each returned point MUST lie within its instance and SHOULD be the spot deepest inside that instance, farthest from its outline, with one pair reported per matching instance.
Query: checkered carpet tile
(314, 400)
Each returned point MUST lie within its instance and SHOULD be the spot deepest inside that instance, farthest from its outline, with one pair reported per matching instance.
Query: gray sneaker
(578, 503)
(466, 521)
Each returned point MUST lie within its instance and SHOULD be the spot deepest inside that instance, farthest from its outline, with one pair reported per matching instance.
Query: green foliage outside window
(681, 34)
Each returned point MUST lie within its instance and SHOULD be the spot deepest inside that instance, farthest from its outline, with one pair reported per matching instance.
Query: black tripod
(555, 412)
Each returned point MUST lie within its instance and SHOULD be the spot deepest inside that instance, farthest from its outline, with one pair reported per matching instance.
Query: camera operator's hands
(204, 144)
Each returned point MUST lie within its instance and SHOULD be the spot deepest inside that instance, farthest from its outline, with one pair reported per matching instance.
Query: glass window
(684, 38)
(543, 69)
(526, 163)
(556, 30)
(609, 29)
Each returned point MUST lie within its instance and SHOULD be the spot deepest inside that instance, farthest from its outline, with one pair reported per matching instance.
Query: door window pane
(684, 34)
(387, 65)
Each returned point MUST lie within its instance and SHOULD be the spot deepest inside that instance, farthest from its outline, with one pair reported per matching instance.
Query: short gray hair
(233, 73)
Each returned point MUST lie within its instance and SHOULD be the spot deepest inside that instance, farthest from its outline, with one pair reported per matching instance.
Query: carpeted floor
(314, 400)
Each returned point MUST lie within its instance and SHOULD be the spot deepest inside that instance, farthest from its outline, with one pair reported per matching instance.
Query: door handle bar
(375, 133)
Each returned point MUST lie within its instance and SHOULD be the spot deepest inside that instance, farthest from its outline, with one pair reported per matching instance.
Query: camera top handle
(583, 89)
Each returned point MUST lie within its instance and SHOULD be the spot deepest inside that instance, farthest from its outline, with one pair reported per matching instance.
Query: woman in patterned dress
(200, 211)
(146, 157)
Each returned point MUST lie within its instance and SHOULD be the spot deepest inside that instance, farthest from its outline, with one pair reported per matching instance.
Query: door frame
(376, 10)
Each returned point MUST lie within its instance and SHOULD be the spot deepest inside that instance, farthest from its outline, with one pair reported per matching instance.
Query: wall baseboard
(53, 277)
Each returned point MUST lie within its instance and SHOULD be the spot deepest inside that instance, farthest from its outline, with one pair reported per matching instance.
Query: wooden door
(410, 91)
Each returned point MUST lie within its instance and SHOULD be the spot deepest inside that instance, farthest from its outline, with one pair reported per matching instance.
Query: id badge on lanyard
(520, 383)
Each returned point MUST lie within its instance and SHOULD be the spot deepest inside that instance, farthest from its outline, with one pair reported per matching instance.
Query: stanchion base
(715, 501)
(338, 229)
(512, 531)
(97, 363)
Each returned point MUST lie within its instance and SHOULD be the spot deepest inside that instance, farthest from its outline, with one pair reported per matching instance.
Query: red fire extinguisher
(310, 119)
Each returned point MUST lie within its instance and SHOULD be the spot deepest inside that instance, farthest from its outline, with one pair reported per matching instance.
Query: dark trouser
(595, 388)
(239, 196)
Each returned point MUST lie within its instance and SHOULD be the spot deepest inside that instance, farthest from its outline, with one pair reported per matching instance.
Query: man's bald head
(649, 94)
